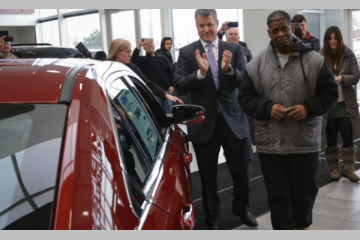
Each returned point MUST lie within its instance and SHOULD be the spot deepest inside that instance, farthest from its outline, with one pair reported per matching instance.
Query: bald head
(233, 35)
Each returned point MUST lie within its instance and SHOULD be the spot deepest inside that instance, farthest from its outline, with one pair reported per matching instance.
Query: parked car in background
(43, 50)
(85, 145)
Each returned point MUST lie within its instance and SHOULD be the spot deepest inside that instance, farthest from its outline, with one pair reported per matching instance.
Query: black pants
(239, 157)
(291, 185)
(342, 125)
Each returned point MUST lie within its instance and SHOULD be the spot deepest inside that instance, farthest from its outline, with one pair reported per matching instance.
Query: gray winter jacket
(306, 80)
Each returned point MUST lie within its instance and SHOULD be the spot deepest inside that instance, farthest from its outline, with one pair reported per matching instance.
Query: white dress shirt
(215, 50)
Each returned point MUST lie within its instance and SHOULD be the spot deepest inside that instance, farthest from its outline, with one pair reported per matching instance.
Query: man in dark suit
(210, 70)
(224, 28)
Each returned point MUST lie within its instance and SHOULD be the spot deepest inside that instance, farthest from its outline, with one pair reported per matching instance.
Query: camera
(8, 39)
(100, 55)
(233, 24)
(297, 30)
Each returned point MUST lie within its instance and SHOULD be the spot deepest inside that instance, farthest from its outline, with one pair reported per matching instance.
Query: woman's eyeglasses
(128, 52)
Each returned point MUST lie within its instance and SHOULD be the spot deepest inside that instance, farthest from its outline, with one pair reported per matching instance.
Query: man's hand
(171, 89)
(202, 62)
(339, 79)
(278, 112)
(224, 26)
(173, 99)
(2, 41)
(297, 112)
(141, 43)
(226, 60)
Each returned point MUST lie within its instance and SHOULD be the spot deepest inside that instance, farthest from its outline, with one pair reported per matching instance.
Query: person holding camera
(5, 49)
(344, 117)
(120, 51)
(225, 26)
(157, 69)
(299, 29)
(287, 89)
(164, 50)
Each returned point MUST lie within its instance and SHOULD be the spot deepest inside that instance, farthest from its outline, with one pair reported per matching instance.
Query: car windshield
(30, 147)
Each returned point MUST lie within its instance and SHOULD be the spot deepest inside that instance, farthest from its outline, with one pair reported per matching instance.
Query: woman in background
(120, 51)
(344, 117)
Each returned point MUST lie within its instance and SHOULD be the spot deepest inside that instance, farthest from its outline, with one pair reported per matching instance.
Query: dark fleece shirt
(157, 91)
(157, 69)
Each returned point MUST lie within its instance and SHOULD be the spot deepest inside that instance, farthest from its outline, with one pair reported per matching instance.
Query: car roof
(42, 80)
(34, 80)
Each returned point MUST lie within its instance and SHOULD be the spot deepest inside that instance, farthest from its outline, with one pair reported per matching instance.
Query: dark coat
(351, 74)
(204, 93)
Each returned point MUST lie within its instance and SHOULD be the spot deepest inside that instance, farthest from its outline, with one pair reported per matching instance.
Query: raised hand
(224, 26)
(226, 60)
(202, 62)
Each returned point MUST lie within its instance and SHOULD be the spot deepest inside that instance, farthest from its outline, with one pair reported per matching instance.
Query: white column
(105, 29)
(62, 28)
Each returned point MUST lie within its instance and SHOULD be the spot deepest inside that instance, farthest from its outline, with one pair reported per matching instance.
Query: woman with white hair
(120, 51)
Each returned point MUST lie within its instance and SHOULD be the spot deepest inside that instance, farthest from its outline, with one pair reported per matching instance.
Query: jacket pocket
(309, 132)
(261, 132)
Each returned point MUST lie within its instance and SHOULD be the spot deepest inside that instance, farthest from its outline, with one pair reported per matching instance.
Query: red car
(85, 145)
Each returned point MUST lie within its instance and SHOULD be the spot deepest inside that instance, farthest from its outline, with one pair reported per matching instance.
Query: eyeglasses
(128, 52)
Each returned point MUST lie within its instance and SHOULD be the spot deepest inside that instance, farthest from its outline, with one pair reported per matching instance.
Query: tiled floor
(337, 207)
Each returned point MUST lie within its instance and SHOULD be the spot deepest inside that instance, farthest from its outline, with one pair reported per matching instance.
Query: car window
(135, 112)
(30, 147)
(154, 106)
(135, 161)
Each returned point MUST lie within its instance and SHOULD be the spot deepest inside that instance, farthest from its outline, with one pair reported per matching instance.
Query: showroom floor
(337, 207)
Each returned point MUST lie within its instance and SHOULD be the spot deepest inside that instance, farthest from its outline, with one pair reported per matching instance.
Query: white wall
(18, 19)
(255, 28)
(21, 34)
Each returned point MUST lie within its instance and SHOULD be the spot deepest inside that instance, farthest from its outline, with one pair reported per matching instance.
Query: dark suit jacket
(203, 92)
(220, 36)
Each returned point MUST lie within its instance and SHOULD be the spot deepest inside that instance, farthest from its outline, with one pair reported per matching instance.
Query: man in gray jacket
(286, 89)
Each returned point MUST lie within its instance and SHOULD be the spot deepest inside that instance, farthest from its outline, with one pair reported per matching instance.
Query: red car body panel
(91, 190)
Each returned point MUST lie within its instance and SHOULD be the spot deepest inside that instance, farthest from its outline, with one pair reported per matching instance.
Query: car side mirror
(188, 114)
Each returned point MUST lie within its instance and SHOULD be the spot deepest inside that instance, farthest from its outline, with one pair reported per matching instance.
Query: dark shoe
(247, 218)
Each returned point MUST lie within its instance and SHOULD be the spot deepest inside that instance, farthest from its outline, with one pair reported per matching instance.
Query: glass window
(85, 29)
(318, 20)
(151, 25)
(73, 10)
(48, 12)
(139, 118)
(50, 32)
(356, 42)
(184, 28)
(30, 146)
(134, 160)
(123, 26)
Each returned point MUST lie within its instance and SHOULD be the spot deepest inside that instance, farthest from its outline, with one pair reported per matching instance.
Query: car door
(174, 193)
(141, 145)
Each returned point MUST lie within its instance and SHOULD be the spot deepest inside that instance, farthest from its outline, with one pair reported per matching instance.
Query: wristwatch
(230, 67)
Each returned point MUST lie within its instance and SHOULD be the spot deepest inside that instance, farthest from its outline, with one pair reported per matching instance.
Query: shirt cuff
(199, 76)
(232, 72)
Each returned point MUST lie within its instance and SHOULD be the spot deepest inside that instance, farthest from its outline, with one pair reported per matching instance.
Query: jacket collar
(299, 47)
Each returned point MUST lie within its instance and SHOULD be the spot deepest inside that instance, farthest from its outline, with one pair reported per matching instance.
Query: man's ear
(268, 31)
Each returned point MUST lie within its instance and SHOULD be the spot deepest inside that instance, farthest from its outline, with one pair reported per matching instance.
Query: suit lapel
(222, 48)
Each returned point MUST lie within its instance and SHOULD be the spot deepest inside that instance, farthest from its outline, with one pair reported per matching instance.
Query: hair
(117, 45)
(298, 18)
(227, 32)
(163, 41)
(278, 16)
(206, 13)
(329, 57)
